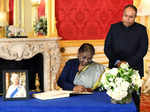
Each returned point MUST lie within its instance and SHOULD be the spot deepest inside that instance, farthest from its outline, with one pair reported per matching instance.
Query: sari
(89, 76)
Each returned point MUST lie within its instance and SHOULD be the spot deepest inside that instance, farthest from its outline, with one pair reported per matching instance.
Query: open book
(56, 94)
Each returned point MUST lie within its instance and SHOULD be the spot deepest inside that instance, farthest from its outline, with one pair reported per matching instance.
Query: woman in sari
(81, 74)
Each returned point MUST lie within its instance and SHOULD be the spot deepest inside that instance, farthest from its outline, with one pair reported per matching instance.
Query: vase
(125, 100)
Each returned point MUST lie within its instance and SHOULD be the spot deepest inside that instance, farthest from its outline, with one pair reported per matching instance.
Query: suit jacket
(68, 74)
(127, 43)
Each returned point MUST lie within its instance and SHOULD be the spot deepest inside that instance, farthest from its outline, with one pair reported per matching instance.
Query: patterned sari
(89, 76)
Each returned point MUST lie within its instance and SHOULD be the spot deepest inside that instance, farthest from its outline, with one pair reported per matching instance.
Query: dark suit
(68, 74)
(128, 44)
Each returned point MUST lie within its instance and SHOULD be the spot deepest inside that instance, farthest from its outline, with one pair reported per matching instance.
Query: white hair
(14, 76)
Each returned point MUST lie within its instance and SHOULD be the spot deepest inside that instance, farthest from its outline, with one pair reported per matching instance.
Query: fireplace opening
(33, 65)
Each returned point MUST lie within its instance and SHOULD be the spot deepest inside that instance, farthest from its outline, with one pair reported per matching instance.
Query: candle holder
(37, 83)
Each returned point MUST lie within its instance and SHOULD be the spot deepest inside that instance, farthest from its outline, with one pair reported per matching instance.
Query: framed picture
(15, 84)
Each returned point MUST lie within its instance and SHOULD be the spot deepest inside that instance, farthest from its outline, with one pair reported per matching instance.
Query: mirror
(25, 12)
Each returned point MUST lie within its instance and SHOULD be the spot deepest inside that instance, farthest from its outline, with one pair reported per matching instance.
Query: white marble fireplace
(25, 48)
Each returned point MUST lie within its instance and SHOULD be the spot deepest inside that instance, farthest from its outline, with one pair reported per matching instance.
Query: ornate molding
(25, 48)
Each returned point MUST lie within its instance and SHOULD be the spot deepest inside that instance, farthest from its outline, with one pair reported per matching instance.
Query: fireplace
(33, 65)
(17, 50)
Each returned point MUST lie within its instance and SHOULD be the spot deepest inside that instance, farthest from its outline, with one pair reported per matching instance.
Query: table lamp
(35, 3)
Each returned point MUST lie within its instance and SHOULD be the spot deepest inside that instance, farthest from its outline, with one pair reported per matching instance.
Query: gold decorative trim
(74, 54)
(77, 43)
(51, 20)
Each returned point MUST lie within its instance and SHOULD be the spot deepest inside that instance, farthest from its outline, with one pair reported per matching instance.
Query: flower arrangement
(121, 82)
(13, 31)
(40, 26)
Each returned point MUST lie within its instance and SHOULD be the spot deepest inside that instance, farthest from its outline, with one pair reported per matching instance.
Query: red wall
(11, 6)
(87, 19)
(41, 9)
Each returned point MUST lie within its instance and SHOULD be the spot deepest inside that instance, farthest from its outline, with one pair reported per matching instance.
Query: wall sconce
(35, 3)
(3, 23)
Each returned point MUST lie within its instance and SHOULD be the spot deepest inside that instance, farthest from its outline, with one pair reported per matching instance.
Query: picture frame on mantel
(15, 84)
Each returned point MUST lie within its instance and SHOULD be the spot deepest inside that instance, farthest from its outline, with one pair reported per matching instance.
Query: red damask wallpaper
(41, 9)
(87, 19)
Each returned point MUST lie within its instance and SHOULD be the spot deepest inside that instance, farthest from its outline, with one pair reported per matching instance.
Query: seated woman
(82, 73)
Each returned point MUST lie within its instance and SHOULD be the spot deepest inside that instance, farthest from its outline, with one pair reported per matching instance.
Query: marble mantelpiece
(25, 48)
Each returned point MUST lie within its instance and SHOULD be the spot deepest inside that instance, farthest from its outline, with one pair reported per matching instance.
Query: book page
(52, 94)
(56, 94)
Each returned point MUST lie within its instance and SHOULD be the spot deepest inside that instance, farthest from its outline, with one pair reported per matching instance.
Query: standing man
(127, 42)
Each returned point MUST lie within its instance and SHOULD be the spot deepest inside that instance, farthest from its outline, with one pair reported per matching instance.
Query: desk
(97, 102)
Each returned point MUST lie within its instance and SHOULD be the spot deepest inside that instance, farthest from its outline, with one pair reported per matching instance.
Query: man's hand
(119, 63)
(79, 88)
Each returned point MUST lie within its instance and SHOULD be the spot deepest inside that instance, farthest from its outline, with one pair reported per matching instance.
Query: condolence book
(57, 94)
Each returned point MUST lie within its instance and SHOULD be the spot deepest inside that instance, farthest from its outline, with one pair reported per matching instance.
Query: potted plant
(40, 26)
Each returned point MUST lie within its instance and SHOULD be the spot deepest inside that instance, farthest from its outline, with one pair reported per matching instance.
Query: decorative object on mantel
(37, 83)
(14, 32)
(40, 26)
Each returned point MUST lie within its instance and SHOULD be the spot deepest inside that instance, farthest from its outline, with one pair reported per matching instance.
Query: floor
(145, 103)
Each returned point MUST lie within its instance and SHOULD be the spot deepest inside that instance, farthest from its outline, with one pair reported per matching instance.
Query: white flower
(111, 79)
(113, 71)
(11, 27)
(118, 81)
(136, 80)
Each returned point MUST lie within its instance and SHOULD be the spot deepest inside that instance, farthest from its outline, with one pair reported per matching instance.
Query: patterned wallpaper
(87, 19)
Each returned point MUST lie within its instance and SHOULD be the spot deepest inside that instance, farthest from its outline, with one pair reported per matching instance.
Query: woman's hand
(79, 88)
(82, 89)
(89, 90)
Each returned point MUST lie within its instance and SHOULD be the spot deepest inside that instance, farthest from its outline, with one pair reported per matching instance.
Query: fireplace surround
(25, 48)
